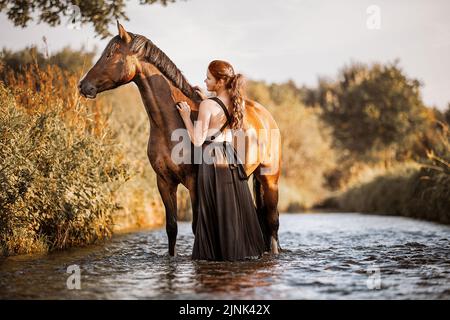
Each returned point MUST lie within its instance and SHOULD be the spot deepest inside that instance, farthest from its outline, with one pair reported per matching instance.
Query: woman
(227, 226)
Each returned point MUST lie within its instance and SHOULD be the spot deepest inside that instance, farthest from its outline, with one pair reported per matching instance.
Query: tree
(447, 114)
(67, 59)
(373, 108)
(99, 13)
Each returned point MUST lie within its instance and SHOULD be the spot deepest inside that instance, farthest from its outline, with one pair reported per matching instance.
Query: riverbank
(412, 190)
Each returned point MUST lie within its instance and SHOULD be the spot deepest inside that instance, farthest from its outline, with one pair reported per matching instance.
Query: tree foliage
(372, 108)
(67, 59)
(53, 12)
(447, 114)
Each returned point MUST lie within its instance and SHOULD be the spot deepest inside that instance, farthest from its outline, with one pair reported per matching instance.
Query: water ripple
(325, 256)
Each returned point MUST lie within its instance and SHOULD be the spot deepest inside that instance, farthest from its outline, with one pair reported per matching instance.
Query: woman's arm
(199, 131)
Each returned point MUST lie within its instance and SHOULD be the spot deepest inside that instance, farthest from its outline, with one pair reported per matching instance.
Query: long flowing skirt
(227, 226)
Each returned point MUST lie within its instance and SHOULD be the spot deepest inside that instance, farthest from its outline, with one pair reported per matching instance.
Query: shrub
(57, 177)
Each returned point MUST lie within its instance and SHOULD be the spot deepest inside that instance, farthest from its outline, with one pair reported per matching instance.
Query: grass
(66, 174)
(416, 192)
(57, 186)
(413, 189)
(307, 156)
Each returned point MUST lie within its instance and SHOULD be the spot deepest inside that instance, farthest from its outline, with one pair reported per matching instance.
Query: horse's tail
(261, 211)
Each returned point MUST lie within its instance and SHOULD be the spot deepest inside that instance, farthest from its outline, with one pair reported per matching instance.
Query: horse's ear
(123, 33)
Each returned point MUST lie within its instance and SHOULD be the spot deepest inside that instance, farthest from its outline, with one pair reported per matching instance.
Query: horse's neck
(156, 93)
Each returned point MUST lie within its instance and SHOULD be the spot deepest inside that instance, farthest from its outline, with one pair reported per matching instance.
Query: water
(327, 256)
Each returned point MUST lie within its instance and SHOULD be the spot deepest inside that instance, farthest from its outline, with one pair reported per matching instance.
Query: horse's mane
(151, 53)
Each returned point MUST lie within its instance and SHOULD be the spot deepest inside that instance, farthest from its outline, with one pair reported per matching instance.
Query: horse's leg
(192, 187)
(269, 185)
(168, 192)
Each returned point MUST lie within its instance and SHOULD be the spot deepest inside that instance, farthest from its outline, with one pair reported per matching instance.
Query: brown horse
(131, 57)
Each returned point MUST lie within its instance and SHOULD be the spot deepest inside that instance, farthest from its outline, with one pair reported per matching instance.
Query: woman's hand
(184, 109)
(200, 92)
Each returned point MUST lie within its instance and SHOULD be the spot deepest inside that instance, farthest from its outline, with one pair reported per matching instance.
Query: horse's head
(116, 66)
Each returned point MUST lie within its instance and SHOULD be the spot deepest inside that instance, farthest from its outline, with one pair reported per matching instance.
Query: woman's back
(218, 119)
(227, 227)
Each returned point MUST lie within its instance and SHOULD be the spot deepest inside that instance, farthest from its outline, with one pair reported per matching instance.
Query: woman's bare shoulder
(209, 104)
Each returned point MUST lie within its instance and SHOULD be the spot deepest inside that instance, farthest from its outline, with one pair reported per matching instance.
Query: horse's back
(259, 115)
(262, 138)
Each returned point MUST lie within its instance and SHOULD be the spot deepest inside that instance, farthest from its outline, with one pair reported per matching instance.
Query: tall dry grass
(416, 192)
(307, 155)
(317, 175)
(57, 185)
(413, 189)
(65, 170)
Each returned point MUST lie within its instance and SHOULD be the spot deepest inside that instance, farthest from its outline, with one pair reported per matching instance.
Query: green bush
(57, 182)
(422, 193)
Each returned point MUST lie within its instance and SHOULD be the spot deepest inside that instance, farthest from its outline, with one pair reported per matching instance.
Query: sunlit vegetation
(65, 171)
(388, 153)
(75, 171)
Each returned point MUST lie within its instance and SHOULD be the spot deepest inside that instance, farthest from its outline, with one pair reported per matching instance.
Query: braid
(235, 90)
(234, 84)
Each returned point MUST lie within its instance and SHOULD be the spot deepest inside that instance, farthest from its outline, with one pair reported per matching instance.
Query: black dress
(227, 226)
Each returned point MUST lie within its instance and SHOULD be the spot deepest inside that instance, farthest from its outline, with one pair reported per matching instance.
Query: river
(325, 256)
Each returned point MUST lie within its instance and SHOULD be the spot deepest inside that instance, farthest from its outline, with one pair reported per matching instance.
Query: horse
(130, 57)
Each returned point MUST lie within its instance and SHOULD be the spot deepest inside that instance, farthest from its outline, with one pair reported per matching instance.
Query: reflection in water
(220, 277)
(329, 256)
(170, 276)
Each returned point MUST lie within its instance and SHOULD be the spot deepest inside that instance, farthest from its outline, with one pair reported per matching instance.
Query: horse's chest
(161, 158)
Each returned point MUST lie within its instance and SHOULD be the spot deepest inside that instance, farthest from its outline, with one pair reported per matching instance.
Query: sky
(276, 41)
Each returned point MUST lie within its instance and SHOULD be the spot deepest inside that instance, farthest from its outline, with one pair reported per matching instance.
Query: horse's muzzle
(86, 89)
